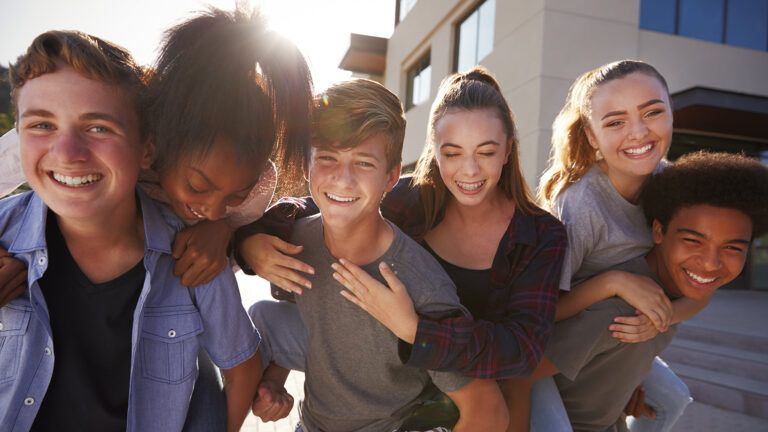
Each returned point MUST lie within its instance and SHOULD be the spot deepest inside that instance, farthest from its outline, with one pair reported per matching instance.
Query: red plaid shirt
(508, 337)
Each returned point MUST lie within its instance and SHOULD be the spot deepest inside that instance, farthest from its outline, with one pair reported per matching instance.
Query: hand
(637, 407)
(268, 257)
(391, 306)
(646, 296)
(633, 329)
(201, 251)
(13, 277)
(272, 401)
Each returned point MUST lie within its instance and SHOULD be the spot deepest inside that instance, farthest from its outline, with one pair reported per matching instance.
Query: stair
(722, 368)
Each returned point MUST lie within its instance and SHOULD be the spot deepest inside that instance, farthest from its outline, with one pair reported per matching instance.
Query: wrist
(409, 329)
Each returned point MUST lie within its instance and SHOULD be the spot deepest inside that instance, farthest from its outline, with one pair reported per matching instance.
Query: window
(741, 23)
(419, 77)
(403, 7)
(474, 35)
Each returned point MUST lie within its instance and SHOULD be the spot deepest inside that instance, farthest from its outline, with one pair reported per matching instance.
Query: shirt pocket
(169, 343)
(14, 320)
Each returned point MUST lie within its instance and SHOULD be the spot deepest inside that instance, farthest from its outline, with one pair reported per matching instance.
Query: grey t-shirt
(355, 380)
(604, 229)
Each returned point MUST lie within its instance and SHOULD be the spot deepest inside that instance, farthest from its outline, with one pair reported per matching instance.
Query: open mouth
(698, 278)
(196, 214)
(638, 151)
(340, 199)
(76, 181)
(470, 187)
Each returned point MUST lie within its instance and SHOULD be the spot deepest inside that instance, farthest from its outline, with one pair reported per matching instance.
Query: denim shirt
(170, 323)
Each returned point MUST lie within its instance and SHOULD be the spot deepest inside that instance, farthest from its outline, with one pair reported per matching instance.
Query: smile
(639, 150)
(197, 215)
(77, 181)
(340, 199)
(699, 279)
(470, 187)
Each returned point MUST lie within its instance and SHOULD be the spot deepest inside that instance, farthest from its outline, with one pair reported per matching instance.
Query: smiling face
(348, 184)
(471, 150)
(703, 248)
(631, 124)
(81, 149)
(203, 187)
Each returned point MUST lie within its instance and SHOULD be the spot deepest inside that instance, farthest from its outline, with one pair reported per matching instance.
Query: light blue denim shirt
(170, 323)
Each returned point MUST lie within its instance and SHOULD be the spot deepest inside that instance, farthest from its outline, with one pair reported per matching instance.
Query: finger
(6, 298)
(347, 295)
(287, 406)
(629, 320)
(192, 275)
(283, 283)
(360, 276)
(292, 275)
(392, 280)
(294, 264)
(344, 282)
(286, 247)
(352, 280)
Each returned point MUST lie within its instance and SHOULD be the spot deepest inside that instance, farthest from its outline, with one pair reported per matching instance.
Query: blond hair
(572, 156)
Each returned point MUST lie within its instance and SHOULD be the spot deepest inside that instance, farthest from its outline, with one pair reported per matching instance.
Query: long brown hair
(572, 156)
(471, 90)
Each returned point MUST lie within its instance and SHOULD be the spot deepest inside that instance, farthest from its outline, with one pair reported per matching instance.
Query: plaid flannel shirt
(505, 340)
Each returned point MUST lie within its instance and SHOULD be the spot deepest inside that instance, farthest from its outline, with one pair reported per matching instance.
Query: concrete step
(719, 358)
(718, 336)
(725, 390)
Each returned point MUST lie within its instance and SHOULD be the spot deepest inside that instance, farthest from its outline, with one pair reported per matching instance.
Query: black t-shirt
(91, 325)
(472, 286)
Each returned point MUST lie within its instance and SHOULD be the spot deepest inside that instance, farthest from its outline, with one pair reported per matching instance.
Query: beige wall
(541, 46)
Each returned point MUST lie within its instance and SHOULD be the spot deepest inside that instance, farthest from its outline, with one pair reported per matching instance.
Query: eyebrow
(86, 116)
(36, 113)
(700, 235)
(489, 142)
(641, 106)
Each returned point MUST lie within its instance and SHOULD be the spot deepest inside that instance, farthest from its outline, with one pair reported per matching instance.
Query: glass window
(747, 23)
(475, 35)
(403, 7)
(419, 81)
(702, 19)
(658, 15)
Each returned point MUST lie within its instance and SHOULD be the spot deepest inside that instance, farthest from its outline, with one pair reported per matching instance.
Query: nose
(710, 259)
(343, 175)
(470, 167)
(215, 208)
(70, 146)
(638, 130)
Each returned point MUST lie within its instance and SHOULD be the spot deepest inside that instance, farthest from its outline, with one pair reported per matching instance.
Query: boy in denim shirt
(106, 337)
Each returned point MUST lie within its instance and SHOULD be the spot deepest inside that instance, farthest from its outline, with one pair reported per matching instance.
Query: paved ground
(752, 317)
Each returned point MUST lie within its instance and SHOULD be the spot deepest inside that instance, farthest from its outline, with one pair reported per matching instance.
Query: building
(713, 53)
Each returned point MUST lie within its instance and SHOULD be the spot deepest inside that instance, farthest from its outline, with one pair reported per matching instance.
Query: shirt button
(47, 351)
(29, 401)
(172, 333)
(41, 260)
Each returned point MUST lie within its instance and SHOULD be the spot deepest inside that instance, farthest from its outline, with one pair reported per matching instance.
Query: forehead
(630, 90)
(374, 146)
(716, 223)
(461, 125)
(66, 92)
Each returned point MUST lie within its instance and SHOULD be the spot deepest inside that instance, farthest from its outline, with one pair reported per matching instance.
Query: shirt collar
(522, 230)
(32, 235)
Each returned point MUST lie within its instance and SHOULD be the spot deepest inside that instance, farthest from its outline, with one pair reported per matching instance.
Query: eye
(654, 113)
(99, 129)
(41, 126)
(735, 248)
(195, 189)
(615, 124)
(450, 155)
(691, 241)
(488, 154)
(365, 164)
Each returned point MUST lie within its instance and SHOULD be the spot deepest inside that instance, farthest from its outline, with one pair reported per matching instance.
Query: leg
(668, 396)
(283, 335)
(518, 397)
(547, 410)
(208, 406)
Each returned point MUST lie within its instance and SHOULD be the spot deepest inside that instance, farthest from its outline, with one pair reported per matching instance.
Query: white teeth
(338, 198)
(470, 186)
(640, 150)
(198, 215)
(78, 181)
(699, 279)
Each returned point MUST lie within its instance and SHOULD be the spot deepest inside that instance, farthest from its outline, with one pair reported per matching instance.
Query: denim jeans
(667, 394)
(547, 410)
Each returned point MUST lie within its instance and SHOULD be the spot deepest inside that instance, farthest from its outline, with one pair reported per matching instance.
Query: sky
(320, 28)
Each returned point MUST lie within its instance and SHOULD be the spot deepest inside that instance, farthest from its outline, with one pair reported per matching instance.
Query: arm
(13, 277)
(639, 328)
(272, 401)
(639, 291)
(240, 383)
(481, 407)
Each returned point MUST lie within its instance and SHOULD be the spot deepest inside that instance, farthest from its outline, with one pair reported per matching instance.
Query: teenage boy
(105, 338)
(704, 211)
(354, 379)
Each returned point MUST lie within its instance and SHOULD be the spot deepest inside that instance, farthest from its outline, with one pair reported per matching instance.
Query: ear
(148, 155)
(657, 231)
(392, 177)
(590, 137)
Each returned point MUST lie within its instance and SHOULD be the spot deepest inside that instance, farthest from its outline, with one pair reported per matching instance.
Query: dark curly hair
(722, 180)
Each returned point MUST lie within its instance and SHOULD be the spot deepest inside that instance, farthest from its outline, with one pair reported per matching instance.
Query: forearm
(240, 384)
(684, 308)
(586, 294)
(481, 407)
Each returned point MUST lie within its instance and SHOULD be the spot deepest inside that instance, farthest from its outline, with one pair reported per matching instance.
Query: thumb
(180, 244)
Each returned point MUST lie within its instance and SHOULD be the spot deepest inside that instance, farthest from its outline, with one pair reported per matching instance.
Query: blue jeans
(547, 410)
(667, 394)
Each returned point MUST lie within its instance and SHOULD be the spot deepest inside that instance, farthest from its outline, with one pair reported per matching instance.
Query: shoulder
(549, 229)
(13, 211)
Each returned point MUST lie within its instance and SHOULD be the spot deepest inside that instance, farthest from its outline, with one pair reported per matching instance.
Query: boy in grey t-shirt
(355, 380)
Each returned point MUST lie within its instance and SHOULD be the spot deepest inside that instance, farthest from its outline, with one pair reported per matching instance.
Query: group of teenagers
(450, 299)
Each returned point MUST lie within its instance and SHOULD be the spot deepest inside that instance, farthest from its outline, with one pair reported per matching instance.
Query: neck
(361, 242)
(496, 204)
(629, 187)
(655, 263)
